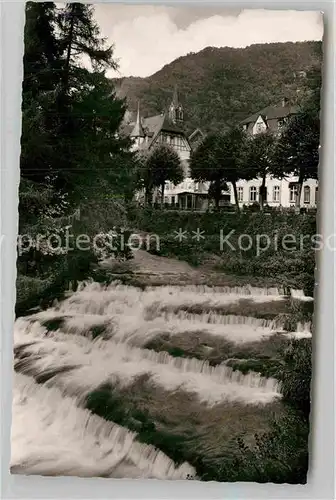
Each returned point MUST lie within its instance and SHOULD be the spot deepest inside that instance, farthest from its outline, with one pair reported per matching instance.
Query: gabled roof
(196, 132)
(152, 126)
(271, 113)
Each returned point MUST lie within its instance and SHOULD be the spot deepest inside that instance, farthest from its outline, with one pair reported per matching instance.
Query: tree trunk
(299, 192)
(235, 192)
(262, 193)
(162, 194)
(69, 48)
(148, 196)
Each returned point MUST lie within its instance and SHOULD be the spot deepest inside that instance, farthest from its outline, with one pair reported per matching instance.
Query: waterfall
(300, 295)
(92, 363)
(51, 435)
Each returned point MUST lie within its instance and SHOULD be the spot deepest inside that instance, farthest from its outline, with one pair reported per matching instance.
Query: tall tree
(164, 164)
(144, 178)
(221, 158)
(297, 151)
(80, 38)
(42, 51)
(42, 73)
(71, 114)
(260, 161)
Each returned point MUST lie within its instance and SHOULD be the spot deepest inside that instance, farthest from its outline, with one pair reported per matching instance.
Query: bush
(296, 374)
(278, 456)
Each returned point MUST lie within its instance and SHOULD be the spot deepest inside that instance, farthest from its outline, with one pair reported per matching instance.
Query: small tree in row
(156, 167)
(220, 159)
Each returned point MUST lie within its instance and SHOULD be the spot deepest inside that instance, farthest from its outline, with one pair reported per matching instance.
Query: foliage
(70, 111)
(71, 152)
(278, 456)
(297, 151)
(292, 267)
(220, 158)
(296, 375)
(219, 87)
(163, 164)
(259, 160)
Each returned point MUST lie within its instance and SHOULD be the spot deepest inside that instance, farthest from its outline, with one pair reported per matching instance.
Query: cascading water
(98, 362)
(300, 295)
(51, 435)
(96, 338)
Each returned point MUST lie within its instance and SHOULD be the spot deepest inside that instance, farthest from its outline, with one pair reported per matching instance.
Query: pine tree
(71, 114)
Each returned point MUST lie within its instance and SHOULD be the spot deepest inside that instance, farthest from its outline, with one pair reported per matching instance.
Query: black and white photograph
(167, 242)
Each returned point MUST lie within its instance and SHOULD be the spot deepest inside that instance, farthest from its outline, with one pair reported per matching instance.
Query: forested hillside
(220, 86)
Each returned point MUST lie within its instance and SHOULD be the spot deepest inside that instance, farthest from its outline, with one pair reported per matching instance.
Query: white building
(168, 128)
(280, 192)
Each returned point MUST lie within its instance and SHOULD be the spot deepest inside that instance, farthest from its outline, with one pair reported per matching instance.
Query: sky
(146, 37)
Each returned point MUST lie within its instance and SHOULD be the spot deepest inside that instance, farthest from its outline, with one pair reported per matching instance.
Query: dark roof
(152, 126)
(138, 129)
(271, 113)
(195, 133)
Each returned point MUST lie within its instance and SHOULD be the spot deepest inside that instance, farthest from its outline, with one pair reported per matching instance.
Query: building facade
(280, 192)
(167, 128)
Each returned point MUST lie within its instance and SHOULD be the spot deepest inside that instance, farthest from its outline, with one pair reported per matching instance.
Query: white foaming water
(237, 290)
(303, 331)
(102, 361)
(237, 329)
(298, 335)
(116, 299)
(300, 295)
(51, 435)
(130, 315)
(304, 327)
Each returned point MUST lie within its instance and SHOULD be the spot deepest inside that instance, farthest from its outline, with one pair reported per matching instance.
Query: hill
(221, 86)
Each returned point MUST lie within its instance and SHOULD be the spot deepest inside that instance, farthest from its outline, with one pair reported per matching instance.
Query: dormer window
(259, 127)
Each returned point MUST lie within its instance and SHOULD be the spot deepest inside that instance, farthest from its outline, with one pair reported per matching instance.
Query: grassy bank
(238, 242)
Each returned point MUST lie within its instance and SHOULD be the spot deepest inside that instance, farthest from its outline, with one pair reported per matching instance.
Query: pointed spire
(138, 130)
(175, 101)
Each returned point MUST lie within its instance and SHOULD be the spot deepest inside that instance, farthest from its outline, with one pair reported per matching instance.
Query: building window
(259, 128)
(253, 193)
(276, 193)
(179, 143)
(240, 194)
(316, 195)
(306, 194)
(293, 192)
(172, 200)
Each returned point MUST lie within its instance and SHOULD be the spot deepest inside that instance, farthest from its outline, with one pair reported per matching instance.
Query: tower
(138, 133)
(175, 108)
